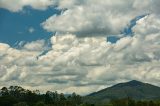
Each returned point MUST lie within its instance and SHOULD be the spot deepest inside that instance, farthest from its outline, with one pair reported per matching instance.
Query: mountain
(134, 89)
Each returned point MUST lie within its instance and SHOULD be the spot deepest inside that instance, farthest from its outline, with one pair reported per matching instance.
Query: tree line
(130, 102)
(18, 96)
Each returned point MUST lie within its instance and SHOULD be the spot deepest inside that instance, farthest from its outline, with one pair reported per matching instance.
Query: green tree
(131, 102)
(151, 103)
(7, 101)
(62, 97)
(40, 104)
(76, 99)
(4, 91)
(21, 104)
(48, 97)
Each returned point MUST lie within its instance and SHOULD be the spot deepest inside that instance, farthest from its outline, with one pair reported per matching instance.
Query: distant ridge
(134, 89)
(132, 83)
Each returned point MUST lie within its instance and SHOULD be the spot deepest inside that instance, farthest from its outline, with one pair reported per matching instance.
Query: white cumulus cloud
(18, 5)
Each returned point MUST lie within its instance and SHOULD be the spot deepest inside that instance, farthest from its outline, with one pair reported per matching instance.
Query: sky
(78, 45)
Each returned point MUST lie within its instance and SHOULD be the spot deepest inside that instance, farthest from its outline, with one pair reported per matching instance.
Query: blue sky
(14, 26)
(127, 31)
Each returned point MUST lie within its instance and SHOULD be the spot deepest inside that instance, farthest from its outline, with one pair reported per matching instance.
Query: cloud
(38, 45)
(95, 18)
(18, 5)
(31, 30)
(80, 63)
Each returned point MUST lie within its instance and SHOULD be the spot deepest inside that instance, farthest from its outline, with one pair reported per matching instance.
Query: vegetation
(18, 96)
(127, 102)
(131, 102)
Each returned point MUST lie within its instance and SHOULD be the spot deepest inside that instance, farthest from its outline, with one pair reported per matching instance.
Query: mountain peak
(134, 89)
(135, 82)
(130, 83)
